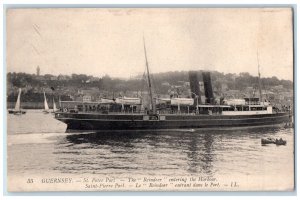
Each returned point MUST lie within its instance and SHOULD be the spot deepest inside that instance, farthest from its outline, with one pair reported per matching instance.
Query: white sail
(45, 102)
(54, 106)
(59, 101)
(18, 103)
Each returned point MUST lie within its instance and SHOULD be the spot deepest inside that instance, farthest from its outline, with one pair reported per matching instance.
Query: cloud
(109, 41)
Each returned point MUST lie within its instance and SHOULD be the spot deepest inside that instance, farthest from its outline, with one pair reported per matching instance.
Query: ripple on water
(47, 148)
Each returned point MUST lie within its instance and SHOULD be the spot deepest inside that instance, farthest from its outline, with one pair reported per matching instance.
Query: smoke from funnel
(194, 85)
(208, 88)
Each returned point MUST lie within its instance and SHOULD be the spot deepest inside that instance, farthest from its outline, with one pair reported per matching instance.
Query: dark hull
(17, 112)
(273, 141)
(46, 111)
(88, 121)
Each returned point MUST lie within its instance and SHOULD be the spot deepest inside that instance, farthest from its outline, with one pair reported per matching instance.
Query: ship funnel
(208, 88)
(194, 85)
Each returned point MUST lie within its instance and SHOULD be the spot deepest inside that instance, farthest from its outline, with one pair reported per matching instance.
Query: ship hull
(98, 122)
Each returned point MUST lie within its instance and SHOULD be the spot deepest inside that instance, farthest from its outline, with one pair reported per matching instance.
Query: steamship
(125, 113)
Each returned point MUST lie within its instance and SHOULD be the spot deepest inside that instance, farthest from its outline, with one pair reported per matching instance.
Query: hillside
(70, 86)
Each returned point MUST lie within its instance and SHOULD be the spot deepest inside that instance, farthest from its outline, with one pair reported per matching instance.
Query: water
(38, 144)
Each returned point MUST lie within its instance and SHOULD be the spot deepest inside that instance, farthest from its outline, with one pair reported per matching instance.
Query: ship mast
(152, 103)
(259, 81)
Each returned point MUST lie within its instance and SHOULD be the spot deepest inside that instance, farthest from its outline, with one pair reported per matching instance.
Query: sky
(100, 41)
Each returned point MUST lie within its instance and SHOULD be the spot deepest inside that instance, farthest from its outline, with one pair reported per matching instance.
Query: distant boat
(46, 107)
(59, 101)
(17, 110)
(273, 141)
(54, 107)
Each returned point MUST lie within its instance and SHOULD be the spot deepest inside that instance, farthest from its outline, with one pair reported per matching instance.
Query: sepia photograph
(150, 99)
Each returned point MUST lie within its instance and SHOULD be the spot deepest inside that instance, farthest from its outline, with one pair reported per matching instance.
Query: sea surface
(38, 144)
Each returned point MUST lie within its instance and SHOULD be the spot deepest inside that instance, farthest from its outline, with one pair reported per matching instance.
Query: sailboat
(46, 107)
(54, 106)
(17, 110)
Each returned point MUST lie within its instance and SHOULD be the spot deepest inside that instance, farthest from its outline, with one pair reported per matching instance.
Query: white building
(87, 98)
